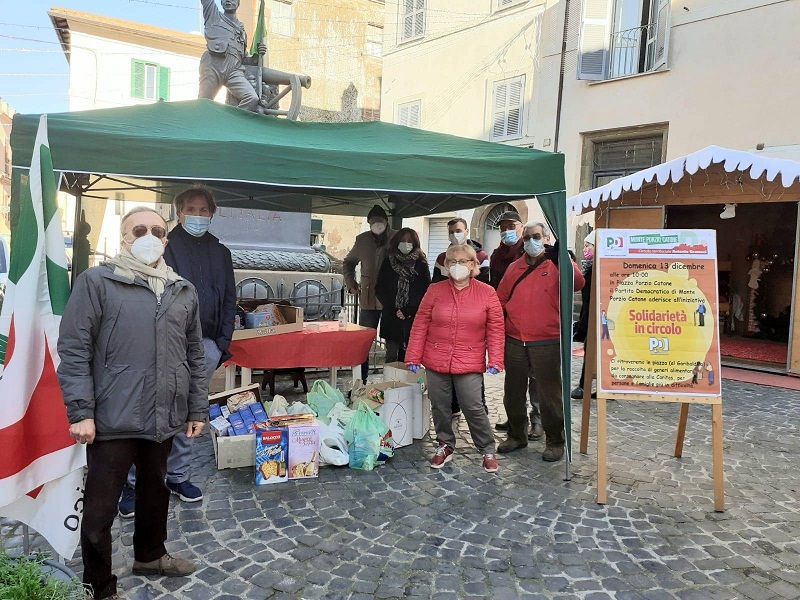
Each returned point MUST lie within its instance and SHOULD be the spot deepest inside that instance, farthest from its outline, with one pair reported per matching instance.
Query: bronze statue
(225, 63)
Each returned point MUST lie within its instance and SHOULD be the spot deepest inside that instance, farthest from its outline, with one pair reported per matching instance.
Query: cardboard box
(292, 315)
(271, 451)
(235, 451)
(421, 410)
(398, 402)
(303, 451)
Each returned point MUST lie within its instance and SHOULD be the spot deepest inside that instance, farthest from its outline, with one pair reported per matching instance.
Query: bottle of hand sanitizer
(343, 319)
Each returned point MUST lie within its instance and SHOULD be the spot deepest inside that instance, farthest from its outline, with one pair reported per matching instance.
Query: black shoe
(127, 503)
(577, 393)
(536, 432)
(502, 425)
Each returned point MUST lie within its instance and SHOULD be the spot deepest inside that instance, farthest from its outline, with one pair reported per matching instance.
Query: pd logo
(615, 242)
(658, 345)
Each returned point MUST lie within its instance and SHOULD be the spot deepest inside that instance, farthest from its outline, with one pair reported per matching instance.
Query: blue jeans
(181, 454)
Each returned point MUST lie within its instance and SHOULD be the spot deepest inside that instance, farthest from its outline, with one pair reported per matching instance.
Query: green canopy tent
(253, 161)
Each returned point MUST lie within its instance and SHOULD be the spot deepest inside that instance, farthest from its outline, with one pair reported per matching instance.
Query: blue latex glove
(412, 368)
(492, 371)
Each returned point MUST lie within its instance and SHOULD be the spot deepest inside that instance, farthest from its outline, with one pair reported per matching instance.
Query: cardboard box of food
(304, 451)
(233, 451)
(421, 410)
(398, 402)
(291, 316)
(271, 451)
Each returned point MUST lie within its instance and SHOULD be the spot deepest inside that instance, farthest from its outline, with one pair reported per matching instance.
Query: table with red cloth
(320, 344)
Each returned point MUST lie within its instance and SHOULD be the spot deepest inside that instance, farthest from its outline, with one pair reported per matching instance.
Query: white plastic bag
(299, 408)
(332, 445)
(278, 407)
(340, 415)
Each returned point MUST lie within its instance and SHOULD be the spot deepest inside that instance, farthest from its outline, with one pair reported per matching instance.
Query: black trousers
(108, 463)
(368, 318)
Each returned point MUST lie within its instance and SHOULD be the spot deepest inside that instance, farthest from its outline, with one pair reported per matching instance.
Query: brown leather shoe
(536, 432)
(553, 452)
(511, 444)
(168, 566)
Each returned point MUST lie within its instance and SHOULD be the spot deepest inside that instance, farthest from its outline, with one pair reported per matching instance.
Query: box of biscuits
(272, 453)
(303, 450)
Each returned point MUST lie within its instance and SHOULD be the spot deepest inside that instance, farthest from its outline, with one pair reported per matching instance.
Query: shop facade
(752, 202)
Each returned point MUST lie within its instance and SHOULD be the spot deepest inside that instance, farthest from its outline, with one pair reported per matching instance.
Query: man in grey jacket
(132, 374)
(370, 250)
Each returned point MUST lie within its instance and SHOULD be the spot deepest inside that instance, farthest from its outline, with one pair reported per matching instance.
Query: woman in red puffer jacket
(458, 322)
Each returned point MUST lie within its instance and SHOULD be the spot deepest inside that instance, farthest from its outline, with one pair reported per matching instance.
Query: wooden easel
(590, 365)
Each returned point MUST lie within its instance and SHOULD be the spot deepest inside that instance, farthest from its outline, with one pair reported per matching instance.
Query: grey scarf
(405, 267)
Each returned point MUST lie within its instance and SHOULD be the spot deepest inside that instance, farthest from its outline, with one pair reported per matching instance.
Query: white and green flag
(41, 466)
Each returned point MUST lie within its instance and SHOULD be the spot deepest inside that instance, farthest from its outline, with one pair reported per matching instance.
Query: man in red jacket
(509, 250)
(529, 295)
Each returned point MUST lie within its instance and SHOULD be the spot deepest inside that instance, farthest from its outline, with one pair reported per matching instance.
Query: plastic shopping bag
(322, 397)
(299, 408)
(365, 434)
(278, 407)
(332, 445)
(340, 415)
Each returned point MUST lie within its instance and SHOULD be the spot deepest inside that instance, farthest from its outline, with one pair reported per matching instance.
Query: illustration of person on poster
(657, 287)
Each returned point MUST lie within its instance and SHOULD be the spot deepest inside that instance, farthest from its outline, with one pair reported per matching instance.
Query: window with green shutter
(149, 81)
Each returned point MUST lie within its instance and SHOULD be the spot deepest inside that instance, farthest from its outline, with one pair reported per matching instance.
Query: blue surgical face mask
(196, 225)
(509, 237)
(533, 247)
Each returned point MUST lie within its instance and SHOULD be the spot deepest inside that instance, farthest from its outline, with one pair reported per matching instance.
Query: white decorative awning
(675, 170)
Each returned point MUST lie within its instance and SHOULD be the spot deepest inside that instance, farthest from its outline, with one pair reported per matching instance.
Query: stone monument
(226, 63)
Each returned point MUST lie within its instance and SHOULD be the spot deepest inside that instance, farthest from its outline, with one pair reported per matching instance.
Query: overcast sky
(33, 69)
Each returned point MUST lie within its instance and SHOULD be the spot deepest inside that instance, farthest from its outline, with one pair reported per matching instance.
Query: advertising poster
(657, 312)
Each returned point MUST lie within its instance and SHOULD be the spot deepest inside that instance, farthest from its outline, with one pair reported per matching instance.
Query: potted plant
(37, 578)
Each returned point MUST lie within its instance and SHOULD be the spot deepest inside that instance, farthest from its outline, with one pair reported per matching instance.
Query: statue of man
(226, 47)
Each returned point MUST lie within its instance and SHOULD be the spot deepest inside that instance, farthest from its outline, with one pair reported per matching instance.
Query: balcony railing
(631, 51)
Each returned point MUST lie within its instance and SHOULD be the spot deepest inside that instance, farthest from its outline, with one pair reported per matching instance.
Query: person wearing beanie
(369, 250)
(582, 327)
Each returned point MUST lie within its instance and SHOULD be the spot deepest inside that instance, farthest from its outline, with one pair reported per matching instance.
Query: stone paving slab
(407, 531)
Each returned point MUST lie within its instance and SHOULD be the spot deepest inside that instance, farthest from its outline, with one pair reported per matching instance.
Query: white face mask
(378, 228)
(458, 237)
(459, 272)
(147, 248)
(405, 247)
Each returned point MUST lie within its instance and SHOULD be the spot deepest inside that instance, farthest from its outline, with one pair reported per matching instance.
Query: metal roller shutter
(438, 239)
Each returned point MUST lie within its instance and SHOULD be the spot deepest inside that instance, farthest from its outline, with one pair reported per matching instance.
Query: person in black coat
(402, 281)
(582, 328)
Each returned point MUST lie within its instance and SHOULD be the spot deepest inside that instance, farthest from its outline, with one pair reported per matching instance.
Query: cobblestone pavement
(406, 531)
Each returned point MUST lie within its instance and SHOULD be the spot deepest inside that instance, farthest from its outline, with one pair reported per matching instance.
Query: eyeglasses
(535, 236)
(509, 227)
(463, 263)
(141, 231)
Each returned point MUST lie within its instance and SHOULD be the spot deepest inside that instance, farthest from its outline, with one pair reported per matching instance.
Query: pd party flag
(41, 466)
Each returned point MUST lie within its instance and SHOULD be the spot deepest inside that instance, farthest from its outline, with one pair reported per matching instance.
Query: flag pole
(260, 56)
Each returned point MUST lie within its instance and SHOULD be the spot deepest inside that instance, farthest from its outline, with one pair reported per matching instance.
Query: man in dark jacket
(369, 250)
(199, 257)
(458, 232)
(509, 250)
(132, 375)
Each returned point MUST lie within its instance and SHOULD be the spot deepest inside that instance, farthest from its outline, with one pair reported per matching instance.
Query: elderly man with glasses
(132, 375)
(529, 295)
